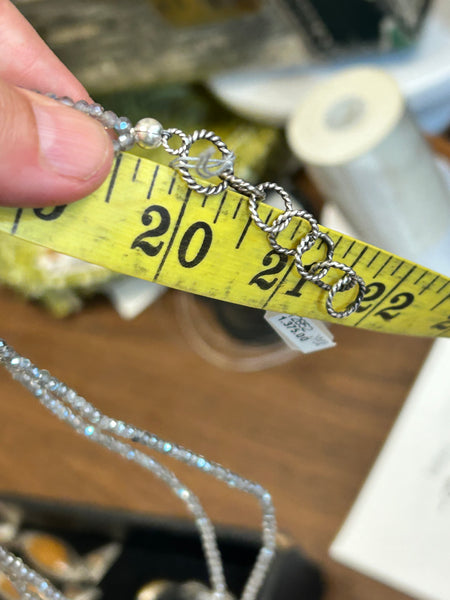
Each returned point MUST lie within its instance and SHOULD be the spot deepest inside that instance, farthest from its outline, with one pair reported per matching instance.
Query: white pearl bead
(148, 133)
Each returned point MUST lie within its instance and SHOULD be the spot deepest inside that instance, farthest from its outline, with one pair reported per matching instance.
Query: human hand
(49, 153)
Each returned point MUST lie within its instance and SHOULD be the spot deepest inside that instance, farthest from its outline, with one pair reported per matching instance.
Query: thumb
(49, 153)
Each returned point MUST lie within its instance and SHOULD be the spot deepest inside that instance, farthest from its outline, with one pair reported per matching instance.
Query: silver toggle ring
(348, 281)
(278, 224)
(283, 221)
(344, 284)
(318, 269)
(167, 134)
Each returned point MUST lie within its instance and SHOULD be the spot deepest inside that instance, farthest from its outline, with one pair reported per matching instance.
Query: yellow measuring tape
(144, 221)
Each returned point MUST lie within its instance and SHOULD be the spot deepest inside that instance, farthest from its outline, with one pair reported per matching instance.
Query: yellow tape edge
(103, 228)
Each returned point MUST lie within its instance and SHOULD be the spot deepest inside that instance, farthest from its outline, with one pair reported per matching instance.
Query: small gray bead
(116, 146)
(66, 101)
(82, 106)
(148, 133)
(126, 140)
(123, 125)
(109, 119)
(96, 110)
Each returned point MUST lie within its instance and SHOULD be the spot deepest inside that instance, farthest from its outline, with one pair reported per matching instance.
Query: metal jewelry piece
(81, 592)
(8, 591)
(153, 589)
(122, 438)
(51, 556)
(149, 133)
(10, 521)
(163, 589)
(55, 558)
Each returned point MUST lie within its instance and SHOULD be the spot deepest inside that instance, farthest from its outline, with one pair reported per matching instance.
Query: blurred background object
(112, 45)
(360, 145)
(59, 282)
(422, 72)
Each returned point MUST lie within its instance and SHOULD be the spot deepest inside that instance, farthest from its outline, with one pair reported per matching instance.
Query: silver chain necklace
(122, 438)
(149, 134)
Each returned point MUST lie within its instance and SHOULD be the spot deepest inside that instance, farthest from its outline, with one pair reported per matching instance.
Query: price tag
(300, 333)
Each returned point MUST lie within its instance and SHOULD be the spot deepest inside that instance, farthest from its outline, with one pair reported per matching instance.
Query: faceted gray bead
(123, 125)
(96, 110)
(66, 101)
(109, 119)
(116, 146)
(82, 106)
(126, 140)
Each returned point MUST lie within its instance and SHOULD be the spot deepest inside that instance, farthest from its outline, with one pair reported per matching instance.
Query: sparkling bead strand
(135, 434)
(27, 579)
(30, 377)
(147, 132)
(180, 453)
(122, 126)
(128, 452)
(93, 424)
(150, 440)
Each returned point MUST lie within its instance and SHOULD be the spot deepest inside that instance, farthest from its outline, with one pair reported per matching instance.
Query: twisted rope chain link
(205, 166)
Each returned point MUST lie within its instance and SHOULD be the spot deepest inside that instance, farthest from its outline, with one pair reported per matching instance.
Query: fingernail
(72, 144)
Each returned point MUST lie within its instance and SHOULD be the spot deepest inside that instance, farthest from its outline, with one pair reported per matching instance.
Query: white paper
(398, 530)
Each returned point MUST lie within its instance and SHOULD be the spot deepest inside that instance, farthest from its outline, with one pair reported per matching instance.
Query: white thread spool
(363, 150)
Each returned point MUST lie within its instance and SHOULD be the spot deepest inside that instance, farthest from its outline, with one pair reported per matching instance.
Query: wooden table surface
(308, 430)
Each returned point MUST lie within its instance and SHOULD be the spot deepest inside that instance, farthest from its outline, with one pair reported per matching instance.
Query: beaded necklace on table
(122, 438)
